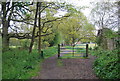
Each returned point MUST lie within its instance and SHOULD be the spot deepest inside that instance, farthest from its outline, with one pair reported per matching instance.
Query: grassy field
(92, 45)
(71, 55)
(14, 46)
(84, 45)
(79, 52)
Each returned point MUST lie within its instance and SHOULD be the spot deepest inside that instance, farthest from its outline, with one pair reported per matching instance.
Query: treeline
(36, 24)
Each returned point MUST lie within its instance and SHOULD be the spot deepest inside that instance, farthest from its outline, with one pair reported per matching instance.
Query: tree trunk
(33, 33)
(5, 38)
(39, 25)
(119, 19)
(5, 23)
(118, 32)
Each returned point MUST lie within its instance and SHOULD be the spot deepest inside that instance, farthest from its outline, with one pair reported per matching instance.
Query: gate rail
(73, 50)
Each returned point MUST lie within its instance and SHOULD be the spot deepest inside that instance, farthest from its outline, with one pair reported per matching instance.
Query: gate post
(86, 50)
(73, 50)
(58, 50)
(42, 54)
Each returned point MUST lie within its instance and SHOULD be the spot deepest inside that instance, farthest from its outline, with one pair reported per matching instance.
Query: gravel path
(67, 69)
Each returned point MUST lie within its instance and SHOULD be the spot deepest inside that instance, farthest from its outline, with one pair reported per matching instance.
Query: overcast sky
(81, 3)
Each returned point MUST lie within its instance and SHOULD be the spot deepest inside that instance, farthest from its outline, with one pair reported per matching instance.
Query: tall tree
(76, 28)
(39, 27)
(11, 10)
(103, 15)
(34, 28)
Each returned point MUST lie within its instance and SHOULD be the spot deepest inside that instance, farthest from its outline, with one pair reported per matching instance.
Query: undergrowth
(19, 64)
(106, 66)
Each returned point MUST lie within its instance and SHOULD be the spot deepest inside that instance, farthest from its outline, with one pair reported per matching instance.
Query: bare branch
(24, 21)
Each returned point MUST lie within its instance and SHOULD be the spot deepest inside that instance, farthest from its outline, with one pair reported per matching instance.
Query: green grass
(77, 54)
(14, 46)
(79, 51)
(59, 62)
(69, 57)
(49, 52)
(19, 64)
(80, 46)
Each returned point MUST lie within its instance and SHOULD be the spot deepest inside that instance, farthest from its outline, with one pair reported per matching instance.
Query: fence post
(86, 50)
(58, 50)
(73, 50)
(42, 54)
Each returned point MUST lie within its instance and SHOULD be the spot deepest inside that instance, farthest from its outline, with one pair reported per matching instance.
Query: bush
(106, 65)
(50, 51)
(45, 44)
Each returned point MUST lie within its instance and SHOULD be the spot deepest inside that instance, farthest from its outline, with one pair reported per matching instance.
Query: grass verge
(19, 64)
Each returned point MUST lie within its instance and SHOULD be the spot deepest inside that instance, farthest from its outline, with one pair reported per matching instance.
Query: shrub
(106, 65)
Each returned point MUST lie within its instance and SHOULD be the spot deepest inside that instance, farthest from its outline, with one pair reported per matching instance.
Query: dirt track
(67, 69)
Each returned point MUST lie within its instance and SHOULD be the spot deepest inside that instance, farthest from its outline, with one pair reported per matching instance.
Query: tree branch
(25, 35)
(24, 21)
(54, 20)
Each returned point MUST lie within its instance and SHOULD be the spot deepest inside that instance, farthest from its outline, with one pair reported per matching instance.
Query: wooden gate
(79, 50)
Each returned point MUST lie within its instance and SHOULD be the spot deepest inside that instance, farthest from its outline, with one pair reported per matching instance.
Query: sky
(79, 3)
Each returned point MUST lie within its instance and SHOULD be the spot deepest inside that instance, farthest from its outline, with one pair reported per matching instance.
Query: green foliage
(45, 44)
(110, 34)
(25, 43)
(50, 51)
(48, 40)
(19, 64)
(106, 65)
(75, 28)
(14, 42)
(106, 37)
(57, 38)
